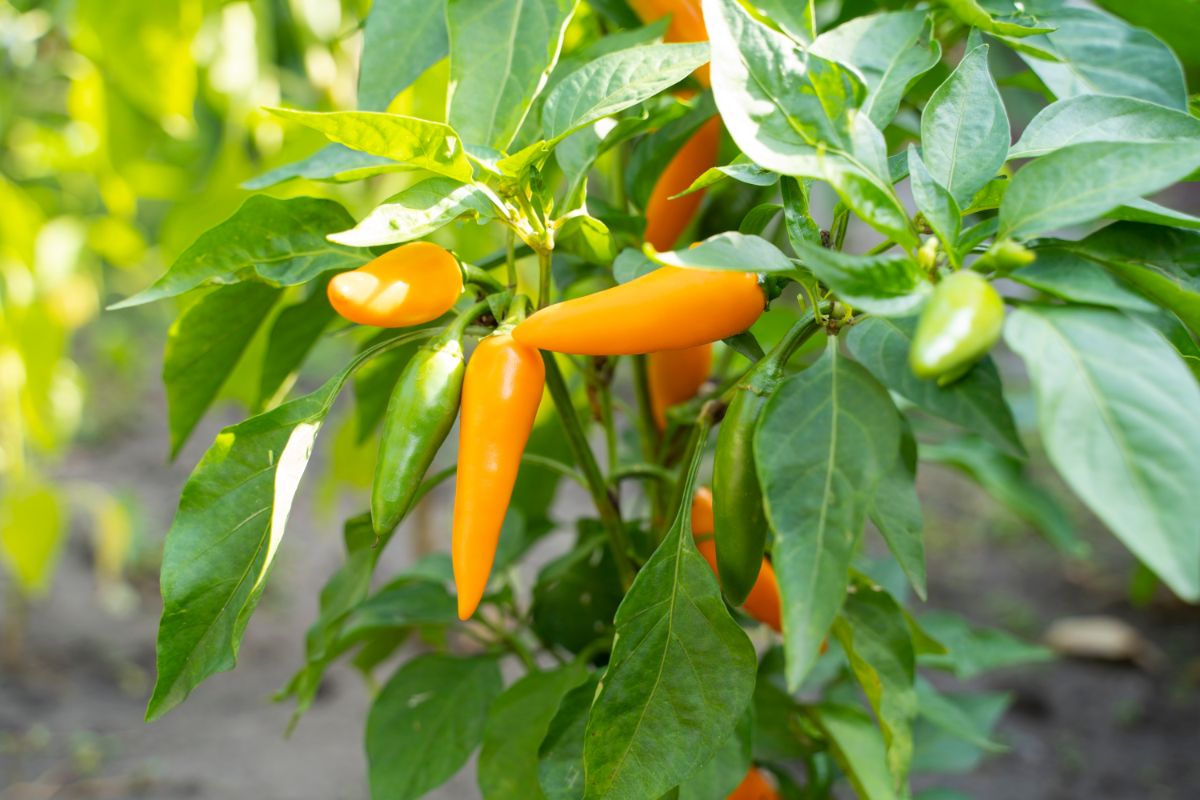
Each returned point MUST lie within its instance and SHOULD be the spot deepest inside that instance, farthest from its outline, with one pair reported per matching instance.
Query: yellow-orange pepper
(675, 376)
(668, 309)
(754, 786)
(763, 602)
(410, 285)
(501, 393)
(666, 219)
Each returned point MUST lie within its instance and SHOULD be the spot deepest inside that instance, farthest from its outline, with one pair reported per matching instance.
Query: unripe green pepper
(420, 413)
(738, 516)
(959, 325)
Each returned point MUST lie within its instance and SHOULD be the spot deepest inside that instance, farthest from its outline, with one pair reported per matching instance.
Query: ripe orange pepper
(501, 393)
(668, 309)
(666, 219)
(763, 602)
(412, 284)
(675, 376)
(754, 786)
(686, 25)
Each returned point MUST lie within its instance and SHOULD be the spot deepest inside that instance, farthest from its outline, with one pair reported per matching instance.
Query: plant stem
(544, 264)
(556, 466)
(610, 516)
(510, 257)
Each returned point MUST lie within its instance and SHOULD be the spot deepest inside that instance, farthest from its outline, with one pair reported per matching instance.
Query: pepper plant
(863, 184)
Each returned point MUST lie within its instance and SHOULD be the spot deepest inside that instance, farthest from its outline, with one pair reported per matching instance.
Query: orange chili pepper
(675, 376)
(754, 786)
(668, 309)
(763, 602)
(501, 393)
(666, 219)
(412, 284)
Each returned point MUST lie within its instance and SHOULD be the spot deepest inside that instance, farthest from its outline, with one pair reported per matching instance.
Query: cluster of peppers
(671, 315)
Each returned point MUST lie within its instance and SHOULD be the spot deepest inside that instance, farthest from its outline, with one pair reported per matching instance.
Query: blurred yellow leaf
(31, 533)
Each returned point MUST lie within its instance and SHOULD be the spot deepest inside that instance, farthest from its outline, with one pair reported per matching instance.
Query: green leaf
(1071, 276)
(896, 512)
(411, 142)
(777, 101)
(954, 737)
(500, 56)
(1154, 214)
(1005, 478)
(964, 128)
(741, 169)
(726, 769)
(560, 757)
(824, 441)
(734, 251)
(615, 82)
(418, 211)
(1102, 118)
(680, 677)
(280, 242)
(974, 14)
(885, 283)
(204, 345)
(333, 162)
(516, 725)
(416, 28)
(427, 721)
(869, 196)
(405, 602)
(945, 713)
(874, 633)
(230, 522)
(1100, 54)
(797, 215)
(796, 19)
(1161, 263)
(293, 334)
(859, 750)
(778, 717)
(936, 204)
(972, 651)
(890, 50)
(1081, 182)
(577, 594)
(976, 401)
(32, 533)
(1120, 419)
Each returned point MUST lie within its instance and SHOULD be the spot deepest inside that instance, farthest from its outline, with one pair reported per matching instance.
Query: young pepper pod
(675, 376)
(668, 309)
(501, 393)
(960, 323)
(410, 285)
(419, 416)
(763, 602)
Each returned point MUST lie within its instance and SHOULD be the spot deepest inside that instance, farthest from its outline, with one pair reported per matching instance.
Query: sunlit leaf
(418, 211)
(416, 28)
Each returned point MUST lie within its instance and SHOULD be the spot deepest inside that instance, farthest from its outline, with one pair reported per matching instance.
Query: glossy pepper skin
(675, 376)
(410, 285)
(500, 397)
(763, 602)
(668, 309)
(754, 786)
(960, 323)
(686, 25)
(666, 219)
(419, 417)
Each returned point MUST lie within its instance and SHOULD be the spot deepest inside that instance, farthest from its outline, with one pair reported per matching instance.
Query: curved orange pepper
(763, 602)
(666, 219)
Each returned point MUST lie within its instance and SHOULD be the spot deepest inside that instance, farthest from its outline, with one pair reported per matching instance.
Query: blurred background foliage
(126, 129)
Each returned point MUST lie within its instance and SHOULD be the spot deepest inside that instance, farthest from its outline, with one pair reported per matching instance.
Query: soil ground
(71, 707)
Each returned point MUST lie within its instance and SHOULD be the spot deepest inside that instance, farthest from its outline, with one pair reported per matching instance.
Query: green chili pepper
(959, 325)
(739, 519)
(420, 413)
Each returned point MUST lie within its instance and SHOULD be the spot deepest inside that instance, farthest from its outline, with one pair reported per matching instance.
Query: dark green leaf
(964, 129)
(577, 595)
(560, 757)
(859, 750)
(681, 675)
(936, 204)
(1073, 277)
(293, 334)
(725, 770)
(1119, 415)
(896, 512)
(416, 28)
(280, 242)
(796, 213)
(516, 725)
(418, 211)
(824, 441)
(204, 345)
(500, 56)
(427, 721)
(975, 402)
